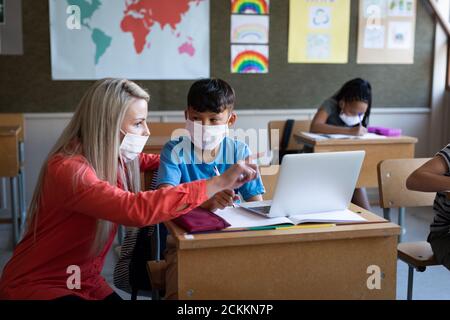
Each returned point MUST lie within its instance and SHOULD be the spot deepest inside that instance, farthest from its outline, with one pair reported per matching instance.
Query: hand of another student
(220, 200)
(358, 131)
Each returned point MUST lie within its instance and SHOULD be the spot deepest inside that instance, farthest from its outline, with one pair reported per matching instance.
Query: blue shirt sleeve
(251, 188)
(169, 171)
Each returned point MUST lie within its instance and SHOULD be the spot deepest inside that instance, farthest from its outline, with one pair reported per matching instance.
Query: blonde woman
(87, 186)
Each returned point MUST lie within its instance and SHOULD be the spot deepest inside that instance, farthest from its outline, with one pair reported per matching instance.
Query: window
(441, 11)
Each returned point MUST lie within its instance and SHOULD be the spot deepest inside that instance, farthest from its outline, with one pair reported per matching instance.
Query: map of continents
(139, 19)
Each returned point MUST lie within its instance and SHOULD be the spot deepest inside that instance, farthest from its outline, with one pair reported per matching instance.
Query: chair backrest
(392, 176)
(14, 119)
(269, 177)
(164, 129)
(299, 125)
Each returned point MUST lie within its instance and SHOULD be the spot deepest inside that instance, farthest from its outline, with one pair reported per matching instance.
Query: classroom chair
(138, 248)
(269, 177)
(285, 130)
(17, 178)
(392, 176)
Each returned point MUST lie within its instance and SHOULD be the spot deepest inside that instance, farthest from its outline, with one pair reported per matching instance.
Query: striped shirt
(441, 206)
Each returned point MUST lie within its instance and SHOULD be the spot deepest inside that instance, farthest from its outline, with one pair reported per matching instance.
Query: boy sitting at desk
(206, 152)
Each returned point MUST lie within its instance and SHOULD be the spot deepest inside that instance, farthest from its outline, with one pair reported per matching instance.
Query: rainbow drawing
(250, 59)
(245, 30)
(250, 6)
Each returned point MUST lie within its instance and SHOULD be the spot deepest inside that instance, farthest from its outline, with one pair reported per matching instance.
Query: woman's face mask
(207, 137)
(132, 145)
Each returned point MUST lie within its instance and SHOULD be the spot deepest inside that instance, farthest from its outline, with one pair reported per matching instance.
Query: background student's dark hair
(357, 90)
(211, 95)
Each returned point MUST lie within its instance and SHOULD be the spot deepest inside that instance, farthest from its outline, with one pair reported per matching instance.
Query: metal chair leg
(134, 293)
(14, 214)
(22, 203)
(401, 222)
(410, 282)
(3, 200)
(387, 213)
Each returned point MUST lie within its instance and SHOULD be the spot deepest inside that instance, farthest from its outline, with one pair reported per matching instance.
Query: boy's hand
(220, 200)
(233, 178)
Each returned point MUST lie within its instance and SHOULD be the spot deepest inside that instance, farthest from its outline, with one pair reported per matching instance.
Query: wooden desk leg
(14, 200)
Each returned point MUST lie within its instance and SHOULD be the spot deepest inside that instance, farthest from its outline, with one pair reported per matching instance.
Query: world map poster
(135, 39)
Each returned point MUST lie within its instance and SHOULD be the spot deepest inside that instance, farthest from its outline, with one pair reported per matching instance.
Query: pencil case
(199, 220)
(388, 132)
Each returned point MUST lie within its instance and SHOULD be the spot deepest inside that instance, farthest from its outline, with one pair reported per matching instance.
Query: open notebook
(241, 218)
(323, 136)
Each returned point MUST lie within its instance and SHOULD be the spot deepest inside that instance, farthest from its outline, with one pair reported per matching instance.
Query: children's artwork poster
(249, 58)
(249, 29)
(249, 36)
(319, 31)
(257, 7)
(386, 31)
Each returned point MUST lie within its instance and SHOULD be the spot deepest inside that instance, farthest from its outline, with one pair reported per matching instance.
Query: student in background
(205, 153)
(347, 112)
(87, 186)
(434, 176)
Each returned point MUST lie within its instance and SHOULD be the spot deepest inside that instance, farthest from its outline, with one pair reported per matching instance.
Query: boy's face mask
(132, 145)
(207, 137)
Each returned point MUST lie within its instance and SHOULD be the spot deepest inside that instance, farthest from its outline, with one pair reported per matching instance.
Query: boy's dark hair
(211, 95)
(357, 90)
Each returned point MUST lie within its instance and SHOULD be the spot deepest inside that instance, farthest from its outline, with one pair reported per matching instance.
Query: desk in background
(325, 263)
(10, 167)
(155, 144)
(376, 150)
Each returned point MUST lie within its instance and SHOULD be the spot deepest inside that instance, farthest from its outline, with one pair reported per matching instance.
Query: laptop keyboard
(263, 210)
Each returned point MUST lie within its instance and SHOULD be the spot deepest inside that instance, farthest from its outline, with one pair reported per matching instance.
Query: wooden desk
(325, 263)
(10, 168)
(376, 150)
(155, 144)
(9, 150)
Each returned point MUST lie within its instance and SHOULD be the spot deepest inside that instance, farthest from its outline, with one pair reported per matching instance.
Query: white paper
(401, 8)
(249, 29)
(318, 46)
(400, 35)
(374, 37)
(323, 136)
(332, 216)
(320, 17)
(241, 218)
(375, 9)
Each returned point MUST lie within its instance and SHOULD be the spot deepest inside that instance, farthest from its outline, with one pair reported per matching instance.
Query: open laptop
(312, 183)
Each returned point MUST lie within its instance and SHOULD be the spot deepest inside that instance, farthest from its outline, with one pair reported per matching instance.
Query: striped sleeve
(445, 154)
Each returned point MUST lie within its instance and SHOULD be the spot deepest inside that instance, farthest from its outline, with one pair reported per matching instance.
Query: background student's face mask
(206, 137)
(132, 145)
(351, 120)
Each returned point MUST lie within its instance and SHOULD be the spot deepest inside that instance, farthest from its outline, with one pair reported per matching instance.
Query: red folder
(199, 219)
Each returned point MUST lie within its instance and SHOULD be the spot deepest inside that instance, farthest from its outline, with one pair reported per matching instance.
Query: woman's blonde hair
(94, 132)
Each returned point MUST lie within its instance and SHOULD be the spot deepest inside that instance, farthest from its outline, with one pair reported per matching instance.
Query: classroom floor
(434, 283)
